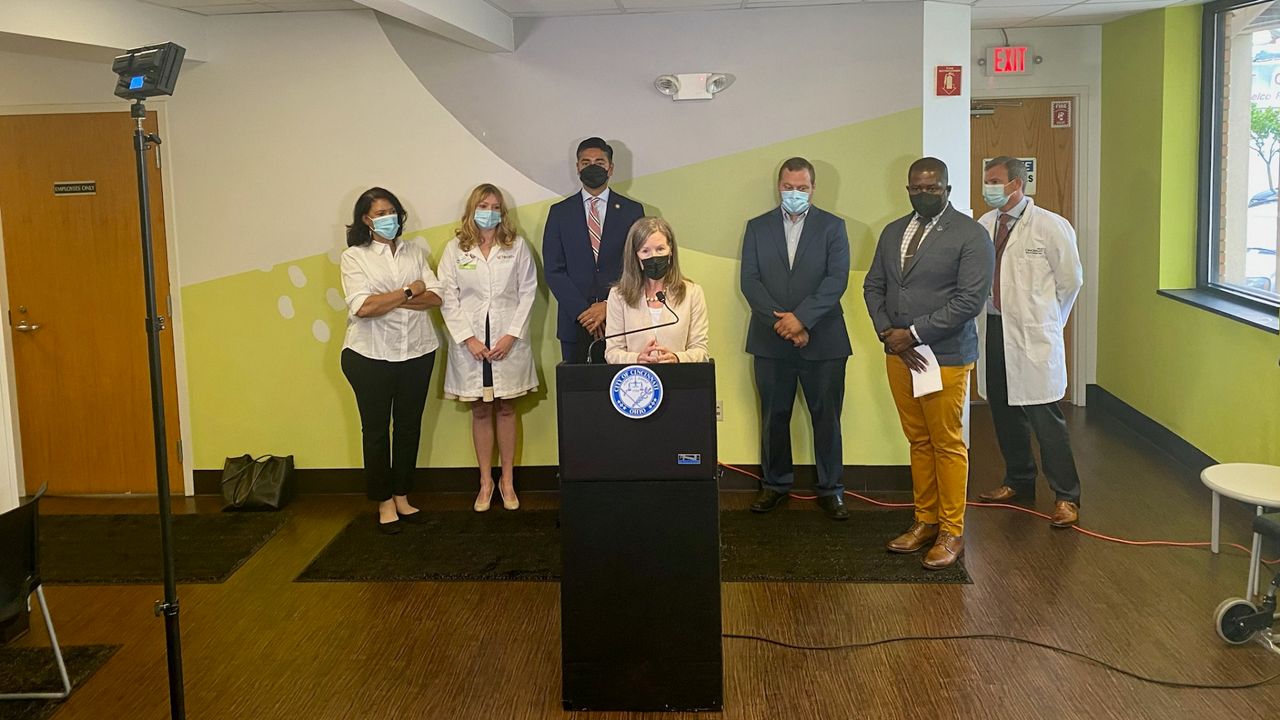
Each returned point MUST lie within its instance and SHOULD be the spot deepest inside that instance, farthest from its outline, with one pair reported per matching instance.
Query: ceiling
(986, 13)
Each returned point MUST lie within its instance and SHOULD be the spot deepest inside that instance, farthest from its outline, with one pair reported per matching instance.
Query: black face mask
(656, 267)
(928, 205)
(593, 176)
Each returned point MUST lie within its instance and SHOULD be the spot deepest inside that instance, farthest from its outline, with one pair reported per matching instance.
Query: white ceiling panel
(542, 8)
(1015, 11)
(986, 13)
(1001, 22)
(1064, 20)
(245, 7)
(1112, 9)
(670, 5)
(1038, 6)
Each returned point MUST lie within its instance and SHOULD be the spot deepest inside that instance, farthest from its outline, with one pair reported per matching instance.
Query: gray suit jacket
(811, 289)
(941, 291)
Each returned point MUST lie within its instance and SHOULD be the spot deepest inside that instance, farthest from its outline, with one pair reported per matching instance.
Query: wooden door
(1022, 127)
(74, 267)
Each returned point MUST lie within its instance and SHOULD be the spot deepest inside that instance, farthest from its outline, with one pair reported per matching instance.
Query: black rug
(100, 549)
(783, 546)
(24, 669)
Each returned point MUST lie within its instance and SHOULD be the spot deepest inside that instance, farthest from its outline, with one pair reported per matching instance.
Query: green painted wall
(263, 383)
(1213, 381)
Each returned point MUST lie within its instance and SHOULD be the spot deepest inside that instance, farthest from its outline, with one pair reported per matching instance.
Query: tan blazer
(687, 338)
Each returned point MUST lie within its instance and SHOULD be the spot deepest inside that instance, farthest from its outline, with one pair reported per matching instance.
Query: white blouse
(372, 269)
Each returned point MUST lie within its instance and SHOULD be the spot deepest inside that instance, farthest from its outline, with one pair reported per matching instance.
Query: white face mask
(994, 194)
(387, 226)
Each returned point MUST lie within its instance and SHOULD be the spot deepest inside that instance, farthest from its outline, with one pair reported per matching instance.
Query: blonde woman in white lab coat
(488, 281)
(651, 282)
(1022, 365)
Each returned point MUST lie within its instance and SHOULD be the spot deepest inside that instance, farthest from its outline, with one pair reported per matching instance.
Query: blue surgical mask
(388, 226)
(486, 219)
(795, 201)
(995, 195)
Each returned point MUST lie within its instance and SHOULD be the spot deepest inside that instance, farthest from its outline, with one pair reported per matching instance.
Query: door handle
(24, 326)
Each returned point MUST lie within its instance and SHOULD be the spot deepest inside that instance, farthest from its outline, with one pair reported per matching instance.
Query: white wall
(946, 119)
(1072, 65)
(118, 24)
(10, 438)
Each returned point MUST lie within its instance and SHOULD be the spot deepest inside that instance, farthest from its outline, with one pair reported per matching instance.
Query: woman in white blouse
(389, 350)
(488, 280)
(652, 292)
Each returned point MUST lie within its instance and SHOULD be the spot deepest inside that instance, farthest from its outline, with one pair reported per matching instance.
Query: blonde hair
(631, 284)
(469, 234)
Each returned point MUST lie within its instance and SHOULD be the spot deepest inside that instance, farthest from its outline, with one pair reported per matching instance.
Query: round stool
(1258, 485)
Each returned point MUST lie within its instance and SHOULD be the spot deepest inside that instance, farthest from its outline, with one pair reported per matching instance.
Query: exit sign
(1009, 60)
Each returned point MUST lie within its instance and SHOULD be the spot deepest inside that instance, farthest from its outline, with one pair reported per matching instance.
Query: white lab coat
(502, 288)
(1040, 277)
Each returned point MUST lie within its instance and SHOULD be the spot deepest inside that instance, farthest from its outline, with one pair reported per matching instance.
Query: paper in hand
(929, 380)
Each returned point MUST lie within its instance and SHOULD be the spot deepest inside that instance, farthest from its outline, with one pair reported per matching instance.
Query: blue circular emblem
(636, 391)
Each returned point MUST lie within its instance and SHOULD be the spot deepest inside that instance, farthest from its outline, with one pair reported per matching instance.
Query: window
(1240, 153)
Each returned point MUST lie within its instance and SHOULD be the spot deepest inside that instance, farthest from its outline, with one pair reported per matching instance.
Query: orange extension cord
(1029, 511)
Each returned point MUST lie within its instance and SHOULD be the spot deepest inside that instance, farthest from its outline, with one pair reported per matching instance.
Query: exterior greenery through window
(1240, 152)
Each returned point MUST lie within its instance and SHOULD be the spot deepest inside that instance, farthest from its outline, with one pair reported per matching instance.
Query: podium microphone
(662, 298)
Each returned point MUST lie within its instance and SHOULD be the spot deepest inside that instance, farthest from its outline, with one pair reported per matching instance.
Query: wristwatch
(407, 292)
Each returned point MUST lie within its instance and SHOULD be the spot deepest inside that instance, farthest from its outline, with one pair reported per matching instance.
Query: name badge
(467, 262)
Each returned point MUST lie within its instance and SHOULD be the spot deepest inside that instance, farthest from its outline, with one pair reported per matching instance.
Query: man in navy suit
(795, 268)
(582, 247)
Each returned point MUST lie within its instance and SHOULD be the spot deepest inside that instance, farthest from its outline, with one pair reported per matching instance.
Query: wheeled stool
(1240, 620)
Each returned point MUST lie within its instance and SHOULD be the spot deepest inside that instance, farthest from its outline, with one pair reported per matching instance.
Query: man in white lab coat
(1022, 369)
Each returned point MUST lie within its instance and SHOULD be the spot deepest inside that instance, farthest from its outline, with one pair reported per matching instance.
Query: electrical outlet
(719, 411)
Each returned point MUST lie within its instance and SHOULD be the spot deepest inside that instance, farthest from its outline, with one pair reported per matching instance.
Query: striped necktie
(593, 227)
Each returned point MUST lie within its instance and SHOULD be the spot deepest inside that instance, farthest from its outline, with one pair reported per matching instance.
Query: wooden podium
(640, 537)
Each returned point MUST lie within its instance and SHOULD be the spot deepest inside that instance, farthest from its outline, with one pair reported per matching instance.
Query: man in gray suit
(927, 283)
(795, 268)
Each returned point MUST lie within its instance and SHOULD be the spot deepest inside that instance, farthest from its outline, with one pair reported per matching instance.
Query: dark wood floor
(260, 646)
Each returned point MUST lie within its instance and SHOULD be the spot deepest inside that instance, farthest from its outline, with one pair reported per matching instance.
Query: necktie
(914, 244)
(593, 227)
(1002, 239)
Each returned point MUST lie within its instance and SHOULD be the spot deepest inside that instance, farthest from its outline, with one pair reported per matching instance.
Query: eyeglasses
(931, 189)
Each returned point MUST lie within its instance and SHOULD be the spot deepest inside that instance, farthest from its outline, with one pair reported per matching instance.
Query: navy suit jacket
(575, 278)
(943, 288)
(811, 289)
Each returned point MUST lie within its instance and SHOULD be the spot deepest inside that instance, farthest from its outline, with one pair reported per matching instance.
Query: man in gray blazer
(927, 283)
(795, 268)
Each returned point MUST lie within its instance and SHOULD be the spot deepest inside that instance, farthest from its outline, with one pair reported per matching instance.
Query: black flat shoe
(833, 506)
(416, 518)
(392, 528)
(767, 500)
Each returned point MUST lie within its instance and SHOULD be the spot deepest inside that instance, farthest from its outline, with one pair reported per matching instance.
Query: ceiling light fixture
(692, 86)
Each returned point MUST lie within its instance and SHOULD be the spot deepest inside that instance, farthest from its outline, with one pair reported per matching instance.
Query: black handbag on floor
(262, 483)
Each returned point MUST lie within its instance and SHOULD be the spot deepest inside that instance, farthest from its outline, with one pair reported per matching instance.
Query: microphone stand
(662, 298)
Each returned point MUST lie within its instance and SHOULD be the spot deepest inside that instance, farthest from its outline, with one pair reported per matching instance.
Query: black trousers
(576, 352)
(389, 394)
(1015, 423)
(823, 385)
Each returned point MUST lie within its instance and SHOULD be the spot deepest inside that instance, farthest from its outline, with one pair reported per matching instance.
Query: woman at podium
(488, 282)
(655, 315)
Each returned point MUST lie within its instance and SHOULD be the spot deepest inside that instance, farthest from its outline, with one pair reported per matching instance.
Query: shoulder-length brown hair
(469, 233)
(631, 284)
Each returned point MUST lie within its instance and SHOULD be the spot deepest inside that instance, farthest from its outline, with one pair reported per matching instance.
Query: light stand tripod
(143, 141)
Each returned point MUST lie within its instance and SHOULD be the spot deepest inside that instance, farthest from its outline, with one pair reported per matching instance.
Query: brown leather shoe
(945, 552)
(1065, 514)
(912, 540)
(1004, 493)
